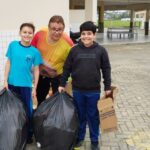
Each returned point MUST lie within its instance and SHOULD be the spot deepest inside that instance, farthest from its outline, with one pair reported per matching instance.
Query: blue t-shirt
(22, 59)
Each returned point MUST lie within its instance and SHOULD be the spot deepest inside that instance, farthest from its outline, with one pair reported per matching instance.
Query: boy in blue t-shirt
(22, 58)
(85, 62)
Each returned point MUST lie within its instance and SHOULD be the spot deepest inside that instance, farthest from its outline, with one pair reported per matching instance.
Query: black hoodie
(84, 64)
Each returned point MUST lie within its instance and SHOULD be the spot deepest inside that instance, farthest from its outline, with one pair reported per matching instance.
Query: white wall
(142, 18)
(14, 12)
(5, 38)
(76, 18)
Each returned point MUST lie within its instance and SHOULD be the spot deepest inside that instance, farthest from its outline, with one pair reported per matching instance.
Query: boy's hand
(61, 89)
(6, 85)
(34, 98)
(47, 71)
(34, 92)
(107, 93)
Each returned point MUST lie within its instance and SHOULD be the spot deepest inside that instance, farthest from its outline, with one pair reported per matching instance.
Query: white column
(91, 10)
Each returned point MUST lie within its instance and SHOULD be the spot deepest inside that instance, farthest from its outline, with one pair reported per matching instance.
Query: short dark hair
(27, 25)
(88, 26)
(57, 19)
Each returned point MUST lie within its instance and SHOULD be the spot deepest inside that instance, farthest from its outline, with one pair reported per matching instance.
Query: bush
(119, 23)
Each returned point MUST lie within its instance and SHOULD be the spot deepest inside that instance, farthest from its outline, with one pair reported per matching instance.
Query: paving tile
(130, 72)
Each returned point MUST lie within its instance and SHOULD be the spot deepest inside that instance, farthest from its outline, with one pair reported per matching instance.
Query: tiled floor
(130, 73)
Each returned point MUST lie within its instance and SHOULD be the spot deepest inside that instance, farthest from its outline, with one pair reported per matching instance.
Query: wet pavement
(131, 74)
(139, 38)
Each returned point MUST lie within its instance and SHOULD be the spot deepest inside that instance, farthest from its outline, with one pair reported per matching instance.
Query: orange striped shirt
(54, 54)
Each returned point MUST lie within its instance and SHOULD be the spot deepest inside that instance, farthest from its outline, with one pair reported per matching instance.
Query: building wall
(5, 38)
(141, 16)
(76, 18)
(15, 12)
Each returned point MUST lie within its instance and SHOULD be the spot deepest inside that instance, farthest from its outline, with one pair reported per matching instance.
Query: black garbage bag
(56, 123)
(13, 122)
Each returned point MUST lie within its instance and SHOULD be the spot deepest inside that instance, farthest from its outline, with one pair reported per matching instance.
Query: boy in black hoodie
(85, 63)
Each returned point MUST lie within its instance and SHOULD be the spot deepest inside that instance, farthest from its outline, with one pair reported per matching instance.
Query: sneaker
(78, 145)
(95, 146)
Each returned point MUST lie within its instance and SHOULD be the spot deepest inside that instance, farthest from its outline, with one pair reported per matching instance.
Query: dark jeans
(86, 105)
(25, 95)
(44, 85)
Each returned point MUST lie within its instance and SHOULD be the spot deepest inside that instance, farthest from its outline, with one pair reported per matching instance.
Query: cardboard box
(108, 119)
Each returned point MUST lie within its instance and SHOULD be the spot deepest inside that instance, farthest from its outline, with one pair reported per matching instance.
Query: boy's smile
(87, 37)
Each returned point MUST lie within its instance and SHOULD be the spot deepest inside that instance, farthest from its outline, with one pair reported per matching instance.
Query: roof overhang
(125, 4)
(116, 4)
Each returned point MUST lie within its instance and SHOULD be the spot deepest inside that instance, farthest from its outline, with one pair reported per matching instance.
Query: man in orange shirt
(54, 46)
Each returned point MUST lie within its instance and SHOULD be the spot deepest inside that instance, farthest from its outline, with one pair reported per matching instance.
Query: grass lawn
(119, 23)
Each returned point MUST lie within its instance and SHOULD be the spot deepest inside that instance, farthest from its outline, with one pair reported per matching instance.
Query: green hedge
(119, 23)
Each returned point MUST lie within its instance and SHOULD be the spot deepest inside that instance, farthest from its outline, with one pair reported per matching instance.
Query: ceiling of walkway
(114, 4)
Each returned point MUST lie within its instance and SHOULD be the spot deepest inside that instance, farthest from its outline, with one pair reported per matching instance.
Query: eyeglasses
(58, 30)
